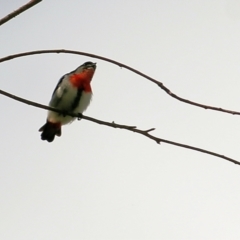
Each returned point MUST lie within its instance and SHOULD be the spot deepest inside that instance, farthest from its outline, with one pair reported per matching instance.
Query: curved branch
(115, 125)
(19, 11)
(160, 84)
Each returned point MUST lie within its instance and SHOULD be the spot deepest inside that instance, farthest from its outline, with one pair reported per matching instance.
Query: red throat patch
(82, 80)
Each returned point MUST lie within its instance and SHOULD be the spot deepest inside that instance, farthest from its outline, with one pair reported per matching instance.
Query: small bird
(73, 94)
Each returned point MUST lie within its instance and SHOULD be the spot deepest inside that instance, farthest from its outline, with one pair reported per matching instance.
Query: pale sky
(96, 182)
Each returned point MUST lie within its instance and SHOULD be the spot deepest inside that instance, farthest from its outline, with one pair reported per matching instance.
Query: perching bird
(72, 94)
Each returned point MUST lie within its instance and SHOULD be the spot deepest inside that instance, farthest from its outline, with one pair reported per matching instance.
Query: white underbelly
(66, 103)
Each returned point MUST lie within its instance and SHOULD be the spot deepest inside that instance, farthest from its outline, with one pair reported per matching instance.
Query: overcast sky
(96, 182)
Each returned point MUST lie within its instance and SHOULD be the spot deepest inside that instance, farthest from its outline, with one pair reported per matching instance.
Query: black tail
(49, 130)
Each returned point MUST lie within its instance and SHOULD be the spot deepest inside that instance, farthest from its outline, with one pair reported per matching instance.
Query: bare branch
(115, 125)
(149, 130)
(19, 11)
(160, 84)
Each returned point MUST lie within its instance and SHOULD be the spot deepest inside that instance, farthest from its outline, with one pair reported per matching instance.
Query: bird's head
(86, 67)
(83, 74)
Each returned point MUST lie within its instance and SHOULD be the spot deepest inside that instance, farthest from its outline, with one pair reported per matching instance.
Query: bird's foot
(64, 113)
(79, 117)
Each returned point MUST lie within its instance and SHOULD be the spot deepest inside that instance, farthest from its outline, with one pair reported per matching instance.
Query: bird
(72, 94)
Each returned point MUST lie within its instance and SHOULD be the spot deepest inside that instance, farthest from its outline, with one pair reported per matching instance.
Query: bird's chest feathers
(81, 81)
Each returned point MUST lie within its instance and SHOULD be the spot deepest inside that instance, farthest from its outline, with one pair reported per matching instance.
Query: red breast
(82, 80)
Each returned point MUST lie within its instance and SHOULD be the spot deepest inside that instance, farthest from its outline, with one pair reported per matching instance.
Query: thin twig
(115, 125)
(160, 84)
(19, 11)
